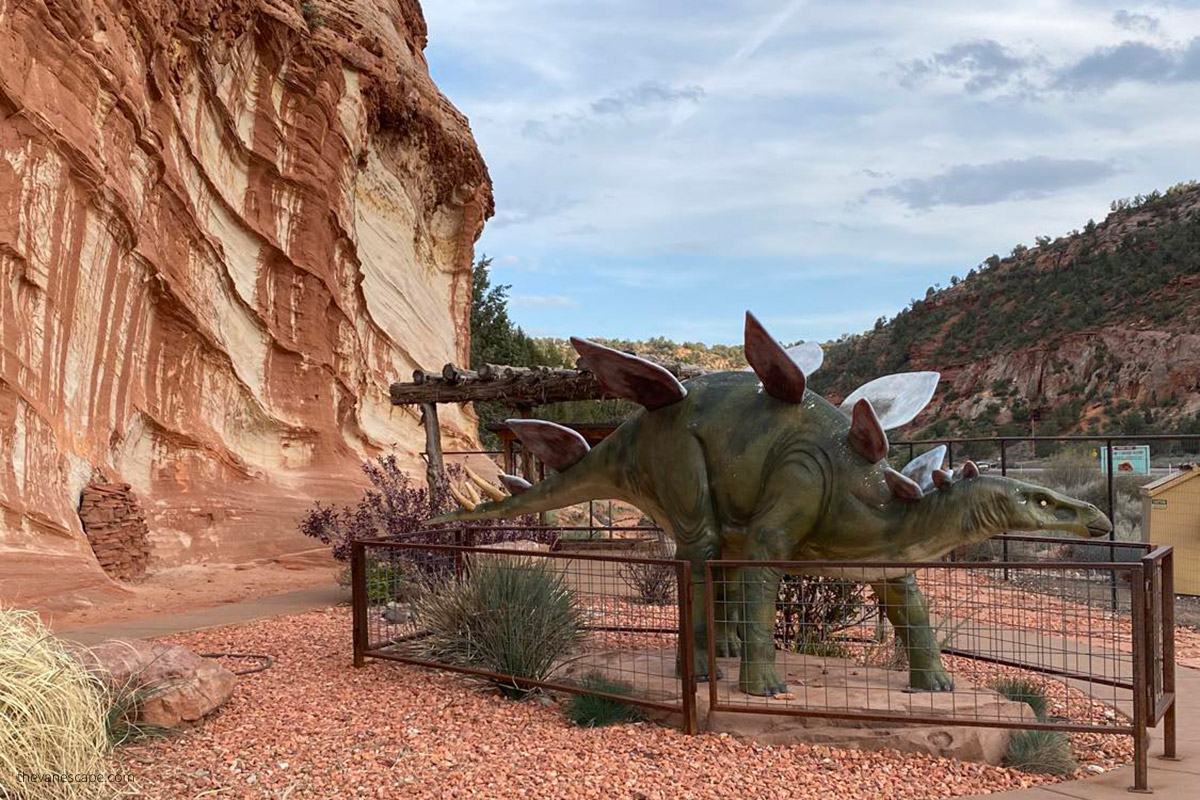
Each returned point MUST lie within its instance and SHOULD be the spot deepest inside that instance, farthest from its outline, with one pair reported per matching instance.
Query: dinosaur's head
(1006, 504)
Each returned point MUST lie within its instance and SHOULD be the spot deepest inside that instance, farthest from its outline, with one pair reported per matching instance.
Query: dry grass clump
(52, 717)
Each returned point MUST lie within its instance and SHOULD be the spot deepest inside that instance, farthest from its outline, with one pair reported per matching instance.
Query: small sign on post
(1129, 459)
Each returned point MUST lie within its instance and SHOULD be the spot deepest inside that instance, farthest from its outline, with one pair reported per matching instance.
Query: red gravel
(314, 727)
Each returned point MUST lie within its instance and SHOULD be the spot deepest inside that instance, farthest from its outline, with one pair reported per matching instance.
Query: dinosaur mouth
(1097, 529)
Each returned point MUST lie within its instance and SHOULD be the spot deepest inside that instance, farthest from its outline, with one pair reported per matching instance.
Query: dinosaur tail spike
(902, 487)
(515, 483)
(485, 486)
(557, 491)
(557, 446)
(461, 499)
(866, 434)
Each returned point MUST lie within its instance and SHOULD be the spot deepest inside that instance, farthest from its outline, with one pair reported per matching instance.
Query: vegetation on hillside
(1137, 269)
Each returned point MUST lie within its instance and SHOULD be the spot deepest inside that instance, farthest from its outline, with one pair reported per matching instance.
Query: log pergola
(520, 388)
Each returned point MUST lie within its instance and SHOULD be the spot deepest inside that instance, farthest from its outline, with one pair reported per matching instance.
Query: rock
(223, 234)
(184, 687)
(533, 548)
(520, 544)
(115, 528)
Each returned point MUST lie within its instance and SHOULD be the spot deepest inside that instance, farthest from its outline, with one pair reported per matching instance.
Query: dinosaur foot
(931, 679)
(760, 680)
(701, 672)
(728, 648)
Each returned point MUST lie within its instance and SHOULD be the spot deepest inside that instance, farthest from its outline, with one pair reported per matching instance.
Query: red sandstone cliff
(225, 228)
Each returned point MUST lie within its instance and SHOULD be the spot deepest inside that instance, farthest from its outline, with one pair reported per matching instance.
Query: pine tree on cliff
(495, 339)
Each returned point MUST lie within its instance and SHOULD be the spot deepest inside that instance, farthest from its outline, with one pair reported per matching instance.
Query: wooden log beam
(524, 388)
(515, 386)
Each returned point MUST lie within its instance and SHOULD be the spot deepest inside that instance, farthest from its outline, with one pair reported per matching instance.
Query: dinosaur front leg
(905, 609)
(759, 593)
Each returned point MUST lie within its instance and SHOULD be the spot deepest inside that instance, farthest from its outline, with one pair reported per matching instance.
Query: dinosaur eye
(1043, 502)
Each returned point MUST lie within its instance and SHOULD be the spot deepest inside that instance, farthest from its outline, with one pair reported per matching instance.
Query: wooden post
(528, 468)
(436, 470)
(510, 456)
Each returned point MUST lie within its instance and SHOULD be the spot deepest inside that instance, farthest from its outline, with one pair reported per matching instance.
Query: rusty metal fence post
(687, 646)
(358, 599)
(1141, 692)
(1004, 474)
(710, 612)
(1168, 651)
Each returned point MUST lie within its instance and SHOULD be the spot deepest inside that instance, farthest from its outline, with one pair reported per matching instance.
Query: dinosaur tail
(583, 474)
(557, 491)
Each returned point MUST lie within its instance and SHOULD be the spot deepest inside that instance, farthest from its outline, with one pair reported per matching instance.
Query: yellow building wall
(1172, 517)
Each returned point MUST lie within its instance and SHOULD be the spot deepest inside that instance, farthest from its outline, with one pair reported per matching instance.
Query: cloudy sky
(662, 165)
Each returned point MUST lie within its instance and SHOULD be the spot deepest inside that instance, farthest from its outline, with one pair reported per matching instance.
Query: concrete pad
(825, 684)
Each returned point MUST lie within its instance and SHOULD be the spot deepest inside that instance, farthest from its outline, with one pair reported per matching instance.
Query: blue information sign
(1128, 459)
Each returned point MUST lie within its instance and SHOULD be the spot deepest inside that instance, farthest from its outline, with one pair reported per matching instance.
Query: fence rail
(1033, 620)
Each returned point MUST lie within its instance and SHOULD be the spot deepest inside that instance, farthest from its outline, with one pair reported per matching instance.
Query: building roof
(1185, 473)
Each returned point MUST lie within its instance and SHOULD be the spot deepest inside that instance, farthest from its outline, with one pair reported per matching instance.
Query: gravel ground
(987, 601)
(314, 727)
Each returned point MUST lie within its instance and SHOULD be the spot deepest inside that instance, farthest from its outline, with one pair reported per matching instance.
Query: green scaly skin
(730, 472)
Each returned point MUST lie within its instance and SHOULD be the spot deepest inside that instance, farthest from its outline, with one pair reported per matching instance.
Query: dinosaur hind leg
(905, 609)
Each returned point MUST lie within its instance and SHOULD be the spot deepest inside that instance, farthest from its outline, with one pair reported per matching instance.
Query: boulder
(183, 687)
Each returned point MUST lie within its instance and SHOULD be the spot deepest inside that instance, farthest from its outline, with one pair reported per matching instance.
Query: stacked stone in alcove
(116, 529)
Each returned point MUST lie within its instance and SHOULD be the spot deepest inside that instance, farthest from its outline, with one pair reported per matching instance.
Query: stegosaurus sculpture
(753, 466)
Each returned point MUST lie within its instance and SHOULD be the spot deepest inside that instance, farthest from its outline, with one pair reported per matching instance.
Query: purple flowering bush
(396, 508)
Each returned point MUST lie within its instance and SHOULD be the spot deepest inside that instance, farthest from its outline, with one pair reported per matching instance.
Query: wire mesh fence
(519, 616)
(1020, 640)
(1149, 486)
(907, 641)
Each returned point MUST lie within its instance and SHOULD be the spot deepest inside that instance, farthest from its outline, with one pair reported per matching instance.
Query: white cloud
(794, 114)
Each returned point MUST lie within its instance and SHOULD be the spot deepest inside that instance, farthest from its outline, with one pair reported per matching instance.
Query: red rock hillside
(225, 228)
(1094, 331)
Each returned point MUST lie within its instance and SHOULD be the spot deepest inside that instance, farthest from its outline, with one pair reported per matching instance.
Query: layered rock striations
(225, 228)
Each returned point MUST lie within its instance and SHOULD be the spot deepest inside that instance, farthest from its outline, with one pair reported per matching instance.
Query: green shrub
(512, 615)
(1023, 690)
(1035, 751)
(1040, 751)
(595, 711)
(124, 703)
(386, 582)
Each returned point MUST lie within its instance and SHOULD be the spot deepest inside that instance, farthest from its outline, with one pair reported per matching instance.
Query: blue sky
(662, 165)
